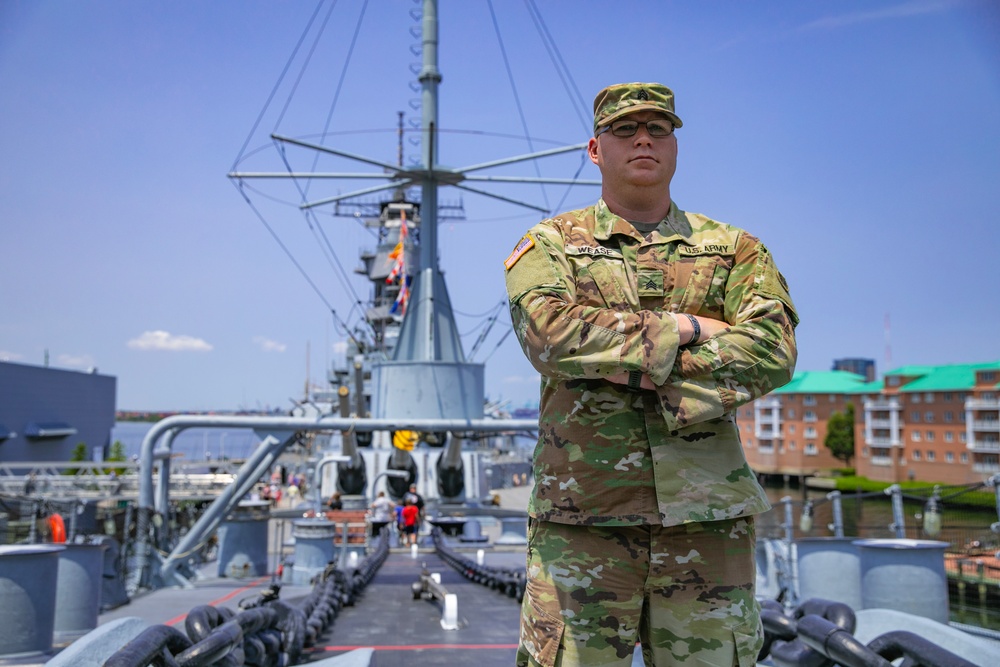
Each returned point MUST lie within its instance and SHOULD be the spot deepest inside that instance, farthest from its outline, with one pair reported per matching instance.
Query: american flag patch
(523, 246)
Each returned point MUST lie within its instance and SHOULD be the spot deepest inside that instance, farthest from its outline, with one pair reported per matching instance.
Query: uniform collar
(674, 226)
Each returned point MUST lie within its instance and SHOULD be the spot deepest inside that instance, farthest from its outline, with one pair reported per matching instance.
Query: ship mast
(429, 350)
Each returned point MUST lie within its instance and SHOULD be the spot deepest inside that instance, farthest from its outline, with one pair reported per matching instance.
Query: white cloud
(269, 345)
(9, 356)
(75, 360)
(164, 340)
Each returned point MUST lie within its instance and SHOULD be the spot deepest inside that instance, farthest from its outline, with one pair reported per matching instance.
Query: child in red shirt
(410, 513)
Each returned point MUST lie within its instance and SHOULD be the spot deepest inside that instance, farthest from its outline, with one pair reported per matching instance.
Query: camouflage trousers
(686, 593)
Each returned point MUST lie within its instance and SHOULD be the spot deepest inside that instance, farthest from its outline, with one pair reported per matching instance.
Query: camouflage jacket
(591, 297)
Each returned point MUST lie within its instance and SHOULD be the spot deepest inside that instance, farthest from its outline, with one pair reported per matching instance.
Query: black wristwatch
(634, 380)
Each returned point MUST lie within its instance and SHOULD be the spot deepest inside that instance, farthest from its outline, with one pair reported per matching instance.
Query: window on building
(949, 416)
(989, 396)
(929, 417)
(833, 398)
(915, 455)
(915, 416)
(808, 399)
(949, 436)
(961, 417)
(914, 398)
(963, 457)
(864, 452)
(915, 436)
(961, 436)
(928, 397)
(949, 457)
(929, 436)
(791, 445)
(930, 455)
(791, 413)
(988, 376)
(781, 448)
(948, 396)
(810, 432)
(811, 449)
(791, 428)
(809, 416)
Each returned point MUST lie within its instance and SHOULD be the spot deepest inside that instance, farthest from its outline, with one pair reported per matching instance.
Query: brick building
(933, 423)
(928, 423)
(783, 432)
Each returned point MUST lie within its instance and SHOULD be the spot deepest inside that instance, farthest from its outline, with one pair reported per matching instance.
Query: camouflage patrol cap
(624, 98)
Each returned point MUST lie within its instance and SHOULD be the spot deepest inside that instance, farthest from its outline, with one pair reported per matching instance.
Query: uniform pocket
(602, 281)
(749, 639)
(699, 285)
(541, 630)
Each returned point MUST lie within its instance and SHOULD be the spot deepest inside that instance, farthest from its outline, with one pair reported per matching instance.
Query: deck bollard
(449, 619)
(513, 530)
(243, 541)
(905, 575)
(28, 577)
(829, 568)
(78, 591)
(313, 548)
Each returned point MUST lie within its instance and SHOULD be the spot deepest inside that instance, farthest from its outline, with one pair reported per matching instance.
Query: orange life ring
(57, 528)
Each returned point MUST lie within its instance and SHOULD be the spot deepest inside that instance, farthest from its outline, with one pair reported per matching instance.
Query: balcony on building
(882, 403)
(984, 445)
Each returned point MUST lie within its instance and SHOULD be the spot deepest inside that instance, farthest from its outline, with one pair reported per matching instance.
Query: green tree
(840, 434)
(79, 454)
(117, 454)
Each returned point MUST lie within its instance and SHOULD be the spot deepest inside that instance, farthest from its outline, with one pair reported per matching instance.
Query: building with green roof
(932, 423)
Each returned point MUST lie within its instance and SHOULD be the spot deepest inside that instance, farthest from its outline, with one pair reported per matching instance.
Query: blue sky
(859, 140)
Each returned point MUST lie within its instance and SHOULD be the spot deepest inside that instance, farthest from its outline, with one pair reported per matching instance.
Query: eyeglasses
(627, 128)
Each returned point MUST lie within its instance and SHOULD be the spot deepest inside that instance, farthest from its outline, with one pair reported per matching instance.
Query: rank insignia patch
(523, 246)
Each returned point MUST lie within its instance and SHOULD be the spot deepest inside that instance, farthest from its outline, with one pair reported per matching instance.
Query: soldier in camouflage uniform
(650, 326)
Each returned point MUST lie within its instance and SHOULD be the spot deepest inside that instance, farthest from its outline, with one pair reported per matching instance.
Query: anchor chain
(265, 632)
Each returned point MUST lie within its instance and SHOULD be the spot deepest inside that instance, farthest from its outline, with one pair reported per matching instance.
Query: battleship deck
(405, 631)
(401, 630)
(386, 618)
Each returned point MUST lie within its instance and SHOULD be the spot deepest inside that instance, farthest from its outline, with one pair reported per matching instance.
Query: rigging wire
(483, 314)
(325, 247)
(312, 222)
(305, 62)
(489, 326)
(499, 343)
(561, 68)
(274, 90)
(333, 311)
(343, 75)
(569, 84)
(517, 98)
